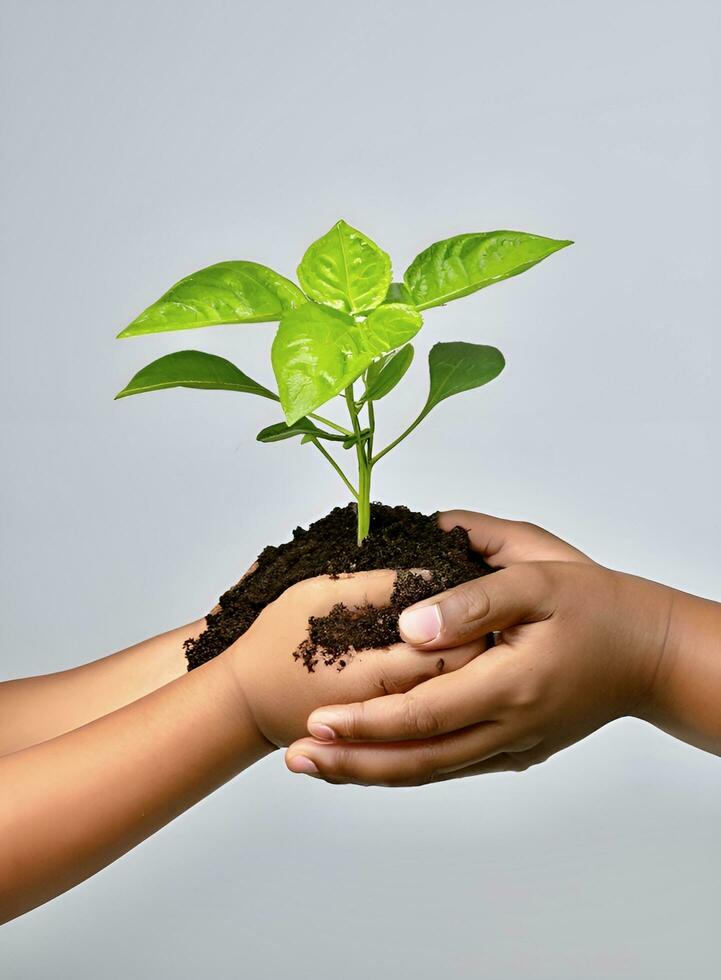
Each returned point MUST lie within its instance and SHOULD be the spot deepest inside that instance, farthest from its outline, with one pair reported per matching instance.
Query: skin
(85, 782)
(578, 645)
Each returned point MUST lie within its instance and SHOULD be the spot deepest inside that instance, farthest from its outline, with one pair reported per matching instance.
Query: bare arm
(74, 803)
(34, 709)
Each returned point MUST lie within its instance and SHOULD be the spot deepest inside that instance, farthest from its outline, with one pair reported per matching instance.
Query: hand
(579, 645)
(279, 690)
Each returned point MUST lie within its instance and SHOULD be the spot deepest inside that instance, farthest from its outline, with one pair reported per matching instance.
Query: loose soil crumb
(399, 538)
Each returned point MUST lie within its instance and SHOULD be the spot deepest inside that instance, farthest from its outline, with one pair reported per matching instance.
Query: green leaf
(345, 270)
(319, 351)
(229, 292)
(391, 325)
(303, 427)
(398, 292)
(458, 266)
(383, 375)
(193, 369)
(457, 366)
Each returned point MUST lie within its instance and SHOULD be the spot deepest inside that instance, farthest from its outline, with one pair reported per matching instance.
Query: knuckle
(420, 717)
(527, 693)
(355, 715)
(539, 581)
(388, 683)
(344, 764)
(469, 602)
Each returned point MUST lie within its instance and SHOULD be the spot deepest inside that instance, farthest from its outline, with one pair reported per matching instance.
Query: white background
(144, 140)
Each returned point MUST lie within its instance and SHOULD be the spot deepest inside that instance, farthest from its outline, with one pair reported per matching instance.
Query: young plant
(347, 325)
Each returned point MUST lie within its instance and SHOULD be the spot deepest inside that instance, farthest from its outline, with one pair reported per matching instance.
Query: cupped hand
(578, 646)
(279, 690)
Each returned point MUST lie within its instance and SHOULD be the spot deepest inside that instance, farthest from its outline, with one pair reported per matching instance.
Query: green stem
(336, 467)
(401, 437)
(331, 425)
(364, 470)
(372, 427)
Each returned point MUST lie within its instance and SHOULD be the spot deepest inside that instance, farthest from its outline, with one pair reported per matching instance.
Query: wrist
(686, 691)
(647, 612)
(239, 681)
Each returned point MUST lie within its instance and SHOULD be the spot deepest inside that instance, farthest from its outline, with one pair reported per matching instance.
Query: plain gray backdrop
(144, 140)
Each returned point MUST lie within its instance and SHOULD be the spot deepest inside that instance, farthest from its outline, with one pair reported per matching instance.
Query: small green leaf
(383, 375)
(319, 351)
(457, 366)
(458, 266)
(229, 292)
(193, 369)
(345, 270)
(303, 427)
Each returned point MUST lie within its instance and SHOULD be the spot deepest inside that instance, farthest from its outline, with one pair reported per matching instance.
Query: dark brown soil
(400, 539)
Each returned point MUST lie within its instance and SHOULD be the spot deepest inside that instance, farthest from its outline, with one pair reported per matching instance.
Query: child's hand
(280, 691)
(579, 646)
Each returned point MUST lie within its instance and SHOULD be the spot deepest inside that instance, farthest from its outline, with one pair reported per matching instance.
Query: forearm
(34, 709)
(685, 697)
(72, 805)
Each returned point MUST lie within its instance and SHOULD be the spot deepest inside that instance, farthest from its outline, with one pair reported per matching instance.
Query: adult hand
(578, 645)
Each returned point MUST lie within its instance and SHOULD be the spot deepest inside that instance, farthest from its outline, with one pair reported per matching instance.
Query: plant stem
(372, 427)
(331, 425)
(401, 437)
(336, 467)
(364, 470)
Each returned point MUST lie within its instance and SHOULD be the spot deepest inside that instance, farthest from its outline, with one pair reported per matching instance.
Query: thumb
(518, 594)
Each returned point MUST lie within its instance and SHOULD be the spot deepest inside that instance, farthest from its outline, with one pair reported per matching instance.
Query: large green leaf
(303, 427)
(457, 366)
(229, 292)
(319, 351)
(458, 266)
(193, 369)
(384, 374)
(346, 270)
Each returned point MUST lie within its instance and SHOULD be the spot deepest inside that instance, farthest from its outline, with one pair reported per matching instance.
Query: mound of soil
(399, 538)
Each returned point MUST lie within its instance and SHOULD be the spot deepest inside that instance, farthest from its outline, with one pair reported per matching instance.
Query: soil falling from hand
(399, 538)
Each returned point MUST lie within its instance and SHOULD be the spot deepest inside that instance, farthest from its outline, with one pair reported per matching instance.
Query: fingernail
(302, 764)
(420, 625)
(324, 732)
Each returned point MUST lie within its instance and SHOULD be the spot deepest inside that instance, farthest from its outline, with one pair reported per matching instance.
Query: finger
(503, 762)
(442, 704)
(503, 542)
(405, 763)
(518, 594)
(390, 673)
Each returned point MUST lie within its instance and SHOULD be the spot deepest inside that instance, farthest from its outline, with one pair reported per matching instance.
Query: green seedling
(344, 333)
